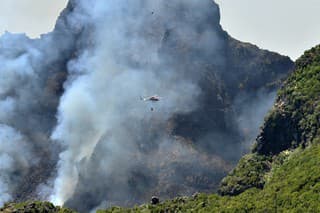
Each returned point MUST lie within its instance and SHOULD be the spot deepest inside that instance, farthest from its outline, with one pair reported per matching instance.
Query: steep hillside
(282, 173)
(293, 122)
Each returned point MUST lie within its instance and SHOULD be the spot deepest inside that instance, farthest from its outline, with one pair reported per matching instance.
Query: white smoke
(17, 80)
(26, 108)
(103, 89)
(249, 121)
(15, 158)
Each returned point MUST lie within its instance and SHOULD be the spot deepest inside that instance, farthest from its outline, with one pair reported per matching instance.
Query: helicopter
(153, 98)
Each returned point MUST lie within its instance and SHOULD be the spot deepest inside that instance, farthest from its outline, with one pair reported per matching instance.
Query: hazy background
(296, 22)
(256, 21)
(33, 17)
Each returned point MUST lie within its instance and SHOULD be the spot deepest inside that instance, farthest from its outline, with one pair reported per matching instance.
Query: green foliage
(249, 173)
(310, 57)
(295, 119)
(302, 96)
(34, 207)
(296, 184)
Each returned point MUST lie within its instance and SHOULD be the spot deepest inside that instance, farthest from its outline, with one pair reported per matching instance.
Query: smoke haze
(70, 104)
(33, 17)
(124, 62)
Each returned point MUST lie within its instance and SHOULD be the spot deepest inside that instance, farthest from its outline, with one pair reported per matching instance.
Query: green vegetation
(295, 119)
(34, 207)
(302, 97)
(310, 57)
(293, 122)
(249, 173)
(301, 94)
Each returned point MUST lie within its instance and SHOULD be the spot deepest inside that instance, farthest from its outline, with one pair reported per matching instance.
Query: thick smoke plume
(101, 105)
(15, 158)
(75, 130)
(29, 96)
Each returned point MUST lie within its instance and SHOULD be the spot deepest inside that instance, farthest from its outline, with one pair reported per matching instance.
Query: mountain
(282, 172)
(81, 136)
(284, 178)
(193, 149)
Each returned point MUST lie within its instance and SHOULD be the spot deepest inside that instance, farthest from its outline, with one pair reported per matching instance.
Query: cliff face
(296, 113)
(292, 124)
(98, 63)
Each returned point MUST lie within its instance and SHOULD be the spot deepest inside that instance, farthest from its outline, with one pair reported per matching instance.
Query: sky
(34, 17)
(286, 26)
